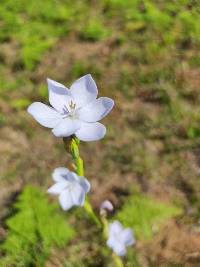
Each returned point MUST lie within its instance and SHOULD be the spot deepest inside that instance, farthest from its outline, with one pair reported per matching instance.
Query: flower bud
(106, 205)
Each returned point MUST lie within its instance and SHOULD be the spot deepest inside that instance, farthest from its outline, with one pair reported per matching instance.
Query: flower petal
(72, 177)
(84, 183)
(59, 174)
(84, 90)
(81, 180)
(96, 110)
(115, 228)
(111, 242)
(59, 95)
(78, 195)
(119, 249)
(66, 127)
(66, 200)
(44, 114)
(57, 188)
(126, 237)
(91, 131)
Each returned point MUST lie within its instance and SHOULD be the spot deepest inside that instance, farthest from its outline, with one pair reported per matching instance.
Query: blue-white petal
(66, 200)
(126, 237)
(57, 188)
(96, 110)
(84, 90)
(44, 114)
(59, 95)
(59, 174)
(91, 131)
(78, 194)
(115, 228)
(66, 127)
(72, 176)
(111, 241)
(85, 184)
(119, 249)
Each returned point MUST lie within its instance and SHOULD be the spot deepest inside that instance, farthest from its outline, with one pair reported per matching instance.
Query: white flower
(70, 187)
(119, 238)
(74, 111)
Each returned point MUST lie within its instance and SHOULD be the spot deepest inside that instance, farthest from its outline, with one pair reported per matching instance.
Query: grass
(35, 26)
(145, 215)
(95, 31)
(33, 229)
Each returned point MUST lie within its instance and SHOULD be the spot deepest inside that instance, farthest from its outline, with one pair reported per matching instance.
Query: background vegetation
(145, 55)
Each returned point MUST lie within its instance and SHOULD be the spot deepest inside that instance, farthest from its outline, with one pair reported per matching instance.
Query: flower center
(70, 186)
(69, 111)
(72, 105)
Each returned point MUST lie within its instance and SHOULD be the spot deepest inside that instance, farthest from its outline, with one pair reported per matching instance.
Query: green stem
(117, 260)
(91, 213)
(105, 226)
(74, 151)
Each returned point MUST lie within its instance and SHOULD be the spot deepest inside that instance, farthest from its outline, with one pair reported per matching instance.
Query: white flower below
(70, 188)
(119, 238)
(74, 111)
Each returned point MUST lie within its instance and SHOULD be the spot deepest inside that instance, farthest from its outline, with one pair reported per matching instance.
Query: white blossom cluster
(77, 112)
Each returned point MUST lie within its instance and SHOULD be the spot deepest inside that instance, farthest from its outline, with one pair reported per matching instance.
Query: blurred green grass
(145, 215)
(33, 229)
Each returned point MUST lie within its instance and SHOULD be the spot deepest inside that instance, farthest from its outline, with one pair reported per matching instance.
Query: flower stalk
(117, 260)
(79, 167)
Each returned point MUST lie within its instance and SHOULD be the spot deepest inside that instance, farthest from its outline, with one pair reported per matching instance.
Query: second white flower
(70, 188)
